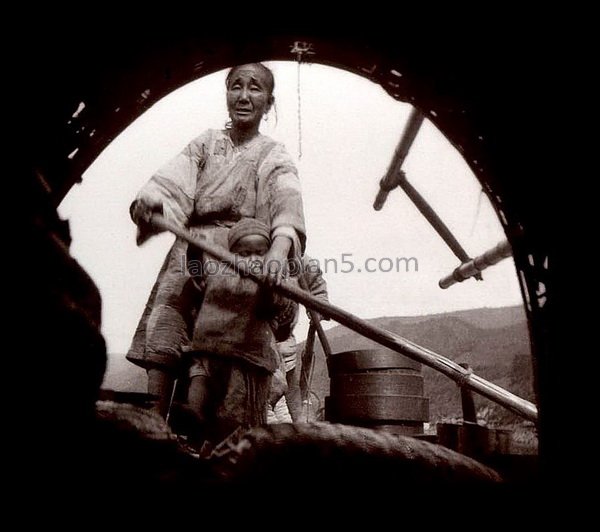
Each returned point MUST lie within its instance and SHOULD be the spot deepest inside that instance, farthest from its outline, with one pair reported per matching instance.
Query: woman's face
(248, 96)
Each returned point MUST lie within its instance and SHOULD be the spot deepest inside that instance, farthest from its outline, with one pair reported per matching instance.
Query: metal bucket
(376, 388)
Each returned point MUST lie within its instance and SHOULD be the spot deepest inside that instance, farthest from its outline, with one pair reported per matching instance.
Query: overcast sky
(350, 128)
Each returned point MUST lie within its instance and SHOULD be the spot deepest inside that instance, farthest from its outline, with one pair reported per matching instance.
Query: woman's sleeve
(174, 185)
(284, 198)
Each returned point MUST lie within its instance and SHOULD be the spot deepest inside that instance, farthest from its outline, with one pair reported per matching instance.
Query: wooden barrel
(376, 388)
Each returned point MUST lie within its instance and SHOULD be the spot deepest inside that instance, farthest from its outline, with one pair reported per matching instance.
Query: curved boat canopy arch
(83, 93)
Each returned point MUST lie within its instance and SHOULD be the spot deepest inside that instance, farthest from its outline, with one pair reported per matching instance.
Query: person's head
(249, 237)
(249, 94)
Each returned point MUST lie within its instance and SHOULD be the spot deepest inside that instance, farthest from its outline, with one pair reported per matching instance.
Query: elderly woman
(219, 178)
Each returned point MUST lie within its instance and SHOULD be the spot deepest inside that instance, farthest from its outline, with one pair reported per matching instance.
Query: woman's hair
(266, 70)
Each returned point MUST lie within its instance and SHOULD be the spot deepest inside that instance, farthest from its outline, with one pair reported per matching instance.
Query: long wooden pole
(388, 339)
(314, 318)
(395, 177)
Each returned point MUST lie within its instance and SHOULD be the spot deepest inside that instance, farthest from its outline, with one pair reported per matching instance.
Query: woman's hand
(142, 209)
(141, 212)
(276, 260)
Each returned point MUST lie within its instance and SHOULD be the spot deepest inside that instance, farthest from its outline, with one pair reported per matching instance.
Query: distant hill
(494, 341)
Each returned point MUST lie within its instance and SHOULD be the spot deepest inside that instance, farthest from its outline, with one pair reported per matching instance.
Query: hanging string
(301, 49)
(299, 114)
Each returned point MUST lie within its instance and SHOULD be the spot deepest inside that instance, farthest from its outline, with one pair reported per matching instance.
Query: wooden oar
(386, 338)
